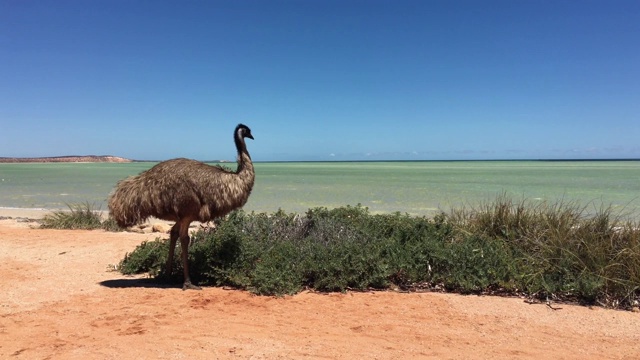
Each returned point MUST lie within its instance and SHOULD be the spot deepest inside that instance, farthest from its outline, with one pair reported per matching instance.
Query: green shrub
(542, 250)
(149, 256)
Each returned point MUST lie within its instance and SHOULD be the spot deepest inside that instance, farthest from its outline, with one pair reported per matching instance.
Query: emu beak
(250, 136)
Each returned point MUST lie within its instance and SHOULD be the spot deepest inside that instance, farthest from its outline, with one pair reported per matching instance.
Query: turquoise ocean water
(419, 188)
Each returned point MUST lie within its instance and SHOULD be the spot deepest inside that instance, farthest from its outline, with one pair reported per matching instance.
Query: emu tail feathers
(127, 204)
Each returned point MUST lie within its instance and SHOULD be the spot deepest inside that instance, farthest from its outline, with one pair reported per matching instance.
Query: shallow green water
(419, 188)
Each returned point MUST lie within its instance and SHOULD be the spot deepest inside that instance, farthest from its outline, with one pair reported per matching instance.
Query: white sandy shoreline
(24, 212)
(11, 214)
(31, 213)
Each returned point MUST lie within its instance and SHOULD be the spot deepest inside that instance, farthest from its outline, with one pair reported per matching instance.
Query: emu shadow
(140, 283)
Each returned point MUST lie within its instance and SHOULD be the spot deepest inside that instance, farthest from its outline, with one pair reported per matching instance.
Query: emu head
(243, 131)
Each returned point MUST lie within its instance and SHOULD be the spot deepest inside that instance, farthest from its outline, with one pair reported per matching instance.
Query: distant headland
(67, 159)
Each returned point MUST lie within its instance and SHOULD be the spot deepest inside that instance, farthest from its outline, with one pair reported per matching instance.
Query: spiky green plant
(79, 216)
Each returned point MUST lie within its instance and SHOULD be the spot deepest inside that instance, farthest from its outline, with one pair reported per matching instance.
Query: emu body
(184, 190)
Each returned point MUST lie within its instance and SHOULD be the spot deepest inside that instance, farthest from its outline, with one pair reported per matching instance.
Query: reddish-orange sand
(59, 300)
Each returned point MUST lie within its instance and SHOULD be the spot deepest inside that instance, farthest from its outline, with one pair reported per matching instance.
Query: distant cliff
(85, 158)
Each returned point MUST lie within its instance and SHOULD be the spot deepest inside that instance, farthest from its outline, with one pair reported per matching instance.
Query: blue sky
(321, 80)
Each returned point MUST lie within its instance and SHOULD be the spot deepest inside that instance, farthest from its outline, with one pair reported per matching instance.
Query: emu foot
(189, 286)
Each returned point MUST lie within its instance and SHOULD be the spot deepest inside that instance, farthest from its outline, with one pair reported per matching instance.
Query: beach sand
(59, 299)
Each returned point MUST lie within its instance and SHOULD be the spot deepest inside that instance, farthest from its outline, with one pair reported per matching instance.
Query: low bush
(149, 256)
(538, 250)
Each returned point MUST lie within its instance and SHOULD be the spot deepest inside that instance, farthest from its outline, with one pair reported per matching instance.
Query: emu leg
(184, 243)
(175, 231)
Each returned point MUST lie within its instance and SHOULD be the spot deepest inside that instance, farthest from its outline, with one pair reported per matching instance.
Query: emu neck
(244, 163)
(240, 145)
(244, 159)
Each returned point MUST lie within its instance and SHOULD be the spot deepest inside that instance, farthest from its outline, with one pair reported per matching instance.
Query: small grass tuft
(79, 216)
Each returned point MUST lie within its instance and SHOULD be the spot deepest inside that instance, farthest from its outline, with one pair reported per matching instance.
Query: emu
(184, 190)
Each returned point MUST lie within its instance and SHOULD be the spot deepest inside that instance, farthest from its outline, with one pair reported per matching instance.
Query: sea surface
(417, 188)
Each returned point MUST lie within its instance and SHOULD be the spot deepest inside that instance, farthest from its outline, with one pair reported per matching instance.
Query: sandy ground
(59, 300)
